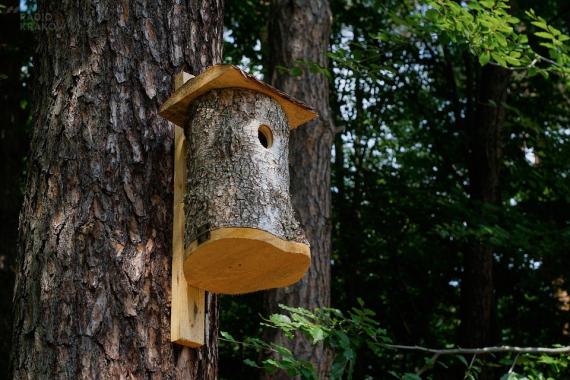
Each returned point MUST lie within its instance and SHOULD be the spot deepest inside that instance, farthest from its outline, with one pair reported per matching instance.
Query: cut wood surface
(243, 260)
(188, 303)
(175, 108)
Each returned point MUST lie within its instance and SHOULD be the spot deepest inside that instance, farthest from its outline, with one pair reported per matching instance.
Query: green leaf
(484, 58)
(316, 333)
(462, 359)
(250, 363)
(547, 360)
(226, 335)
(541, 24)
(283, 351)
(513, 20)
(474, 5)
(513, 376)
(272, 363)
(498, 57)
(513, 61)
(546, 35)
(411, 376)
(296, 71)
(280, 319)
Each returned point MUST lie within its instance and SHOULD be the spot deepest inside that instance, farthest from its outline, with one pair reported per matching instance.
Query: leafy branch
(485, 28)
(495, 36)
(357, 332)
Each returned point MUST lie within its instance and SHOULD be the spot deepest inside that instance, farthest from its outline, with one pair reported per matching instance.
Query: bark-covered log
(92, 295)
(238, 166)
(241, 231)
(301, 31)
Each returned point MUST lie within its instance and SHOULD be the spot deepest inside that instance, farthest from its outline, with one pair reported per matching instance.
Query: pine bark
(92, 294)
(484, 141)
(300, 30)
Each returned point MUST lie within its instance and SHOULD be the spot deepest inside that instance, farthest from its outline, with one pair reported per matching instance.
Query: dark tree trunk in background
(300, 31)
(484, 140)
(14, 53)
(92, 295)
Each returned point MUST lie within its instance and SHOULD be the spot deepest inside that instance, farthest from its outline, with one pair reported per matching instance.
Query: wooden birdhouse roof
(175, 109)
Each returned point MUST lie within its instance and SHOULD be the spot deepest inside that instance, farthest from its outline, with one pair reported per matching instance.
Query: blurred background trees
(450, 179)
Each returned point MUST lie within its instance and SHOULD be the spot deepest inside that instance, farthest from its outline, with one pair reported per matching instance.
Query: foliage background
(403, 218)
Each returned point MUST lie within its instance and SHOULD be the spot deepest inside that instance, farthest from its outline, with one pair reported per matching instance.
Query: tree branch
(483, 350)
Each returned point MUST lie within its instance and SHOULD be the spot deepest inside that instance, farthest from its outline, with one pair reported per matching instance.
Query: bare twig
(483, 350)
(470, 366)
(512, 369)
(429, 365)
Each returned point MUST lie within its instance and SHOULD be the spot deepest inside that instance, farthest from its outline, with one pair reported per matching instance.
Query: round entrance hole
(265, 136)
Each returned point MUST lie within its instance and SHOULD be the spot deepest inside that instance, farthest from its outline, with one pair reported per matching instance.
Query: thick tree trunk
(92, 295)
(484, 163)
(300, 31)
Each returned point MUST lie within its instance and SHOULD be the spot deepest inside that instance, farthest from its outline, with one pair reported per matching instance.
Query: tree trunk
(301, 31)
(92, 294)
(484, 164)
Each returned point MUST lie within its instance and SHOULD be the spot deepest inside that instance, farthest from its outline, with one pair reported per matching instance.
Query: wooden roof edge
(276, 90)
(169, 110)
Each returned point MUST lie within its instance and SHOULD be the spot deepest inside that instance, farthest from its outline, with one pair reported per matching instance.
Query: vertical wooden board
(188, 303)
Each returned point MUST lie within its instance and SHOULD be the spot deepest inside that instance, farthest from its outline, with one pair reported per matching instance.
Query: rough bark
(300, 30)
(484, 163)
(233, 179)
(92, 294)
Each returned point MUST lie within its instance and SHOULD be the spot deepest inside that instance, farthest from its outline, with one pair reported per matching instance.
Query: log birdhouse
(235, 228)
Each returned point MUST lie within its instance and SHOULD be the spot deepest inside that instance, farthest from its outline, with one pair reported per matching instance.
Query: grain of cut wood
(187, 315)
(244, 260)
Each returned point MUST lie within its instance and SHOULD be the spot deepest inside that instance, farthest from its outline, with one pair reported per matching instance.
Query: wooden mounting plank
(175, 108)
(188, 314)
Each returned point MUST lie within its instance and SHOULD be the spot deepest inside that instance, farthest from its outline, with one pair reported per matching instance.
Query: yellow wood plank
(188, 314)
(175, 108)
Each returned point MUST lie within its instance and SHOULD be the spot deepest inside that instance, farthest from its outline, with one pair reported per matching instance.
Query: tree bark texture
(233, 179)
(300, 30)
(484, 140)
(92, 294)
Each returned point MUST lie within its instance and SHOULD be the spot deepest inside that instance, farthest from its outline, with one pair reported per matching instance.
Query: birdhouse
(235, 228)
